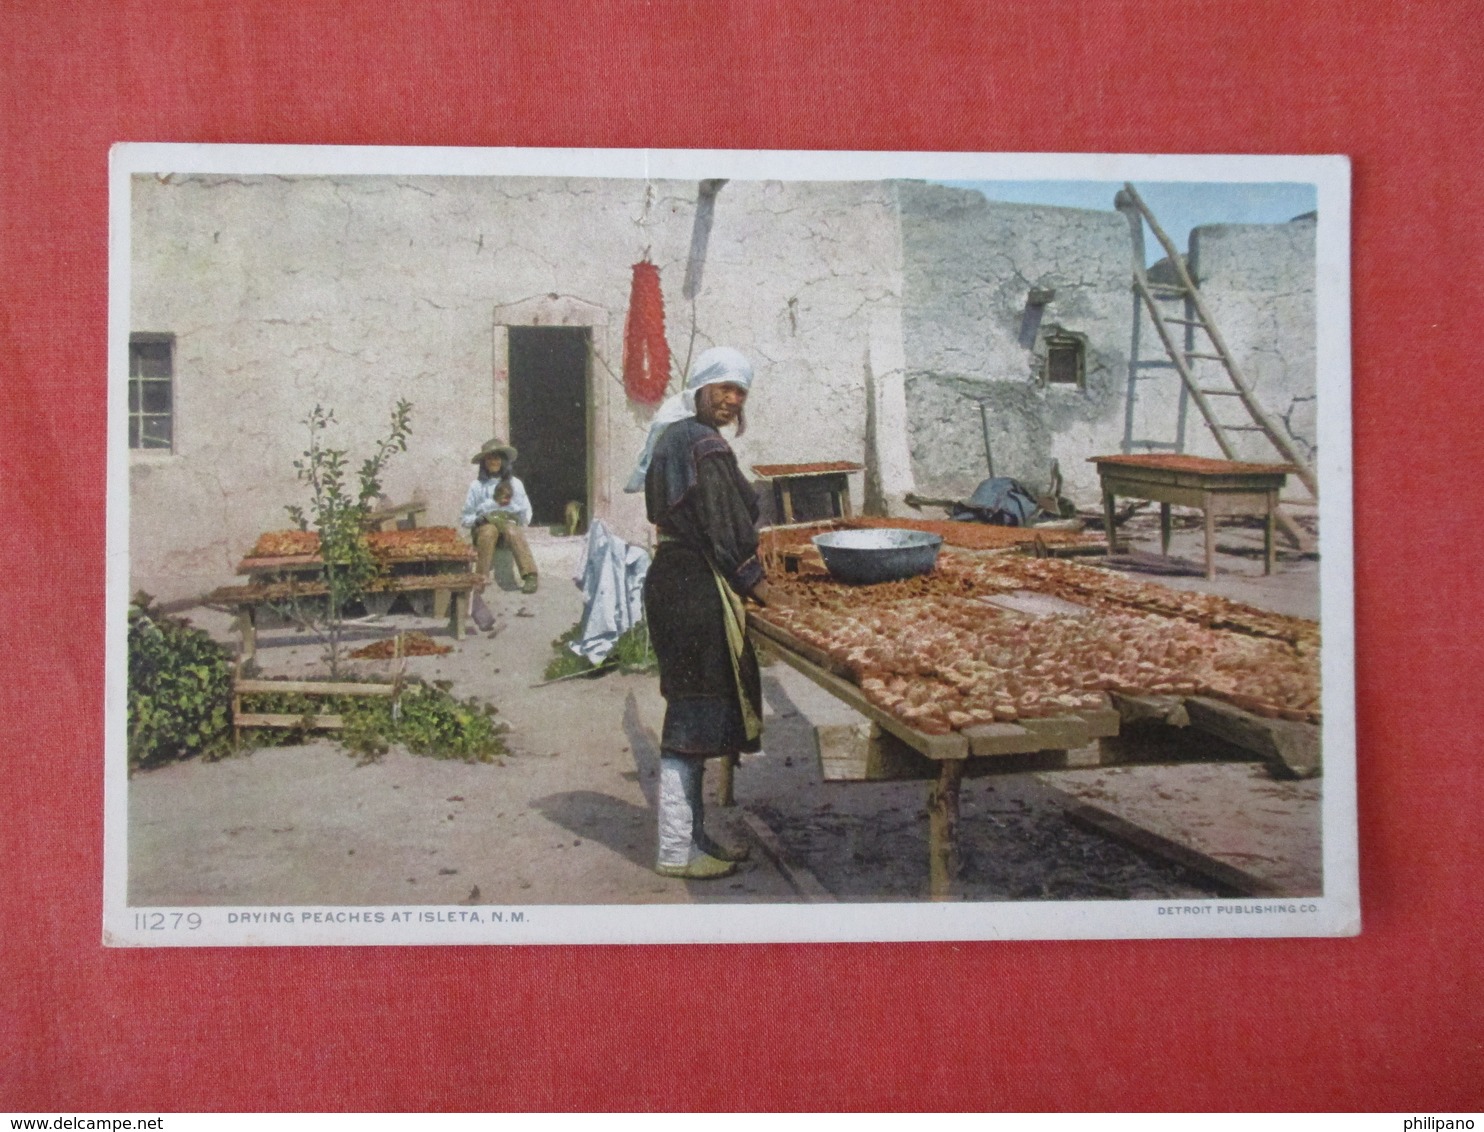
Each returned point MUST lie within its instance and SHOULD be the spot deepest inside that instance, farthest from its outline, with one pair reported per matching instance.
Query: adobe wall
(1259, 282)
(973, 336)
(284, 292)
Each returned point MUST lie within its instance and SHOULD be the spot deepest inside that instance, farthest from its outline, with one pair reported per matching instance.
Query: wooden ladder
(1184, 358)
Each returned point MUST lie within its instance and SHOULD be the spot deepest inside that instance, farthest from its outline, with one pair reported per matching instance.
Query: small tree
(337, 512)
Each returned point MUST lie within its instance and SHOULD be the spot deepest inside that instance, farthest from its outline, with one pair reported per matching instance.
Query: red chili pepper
(646, 354)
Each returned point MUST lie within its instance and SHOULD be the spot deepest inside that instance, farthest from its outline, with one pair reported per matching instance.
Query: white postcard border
(1336, 913)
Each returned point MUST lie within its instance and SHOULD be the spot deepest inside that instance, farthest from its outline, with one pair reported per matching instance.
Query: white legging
(682, 812)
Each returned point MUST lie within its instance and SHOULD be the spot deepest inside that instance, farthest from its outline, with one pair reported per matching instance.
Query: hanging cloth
(611, 576)
(734, 617)
(646, 354)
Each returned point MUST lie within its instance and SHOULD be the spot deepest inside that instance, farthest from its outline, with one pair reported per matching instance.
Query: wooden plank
(1238, 502)
(1099, 820)
(1101, 722)
(459, 614)
(1289, 747)
(459, 581)
(312, 562)
(1180, 496)
(281, 561)
(269, 719)
(401, 511)
(950, 746)
(1057, 732)
(798, 876)
(943, 855)
(999, 739)
(1233, 481)
(841, 750)
(726, 781)
(248, 627)
(1053, 733)
(312, 688)
(863, 752)
(1150, 709)
(263, 592)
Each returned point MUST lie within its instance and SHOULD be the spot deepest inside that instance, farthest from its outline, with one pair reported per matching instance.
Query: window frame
(135, 394)
(1055, 341)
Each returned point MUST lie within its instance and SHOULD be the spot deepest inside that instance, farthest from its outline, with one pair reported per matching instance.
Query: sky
(1179, 206)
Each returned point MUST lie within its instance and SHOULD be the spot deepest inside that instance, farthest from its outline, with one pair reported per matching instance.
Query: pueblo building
(911, 328)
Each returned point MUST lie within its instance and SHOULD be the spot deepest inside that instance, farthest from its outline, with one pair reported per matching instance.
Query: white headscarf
(718, 364)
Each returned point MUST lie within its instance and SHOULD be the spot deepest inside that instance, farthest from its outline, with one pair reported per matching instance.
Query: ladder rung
(1154, 444)
(1220, 392)
(1155, 365)
(1183, 321)
(1210, 357)
(1243, 428)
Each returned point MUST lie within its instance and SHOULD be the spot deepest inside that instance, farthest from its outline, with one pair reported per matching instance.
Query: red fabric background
(1389, 1020)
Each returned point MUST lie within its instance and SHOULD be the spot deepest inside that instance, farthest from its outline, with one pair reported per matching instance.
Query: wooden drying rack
(889, 749)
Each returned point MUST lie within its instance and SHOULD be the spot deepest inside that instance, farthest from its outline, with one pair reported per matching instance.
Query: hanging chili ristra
(646, 354)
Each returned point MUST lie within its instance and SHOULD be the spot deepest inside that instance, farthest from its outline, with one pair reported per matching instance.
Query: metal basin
(865, 557)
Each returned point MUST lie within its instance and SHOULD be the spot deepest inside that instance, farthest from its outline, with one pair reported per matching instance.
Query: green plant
(425, 718)
(180, 688)
(631, 652)
(337, 511)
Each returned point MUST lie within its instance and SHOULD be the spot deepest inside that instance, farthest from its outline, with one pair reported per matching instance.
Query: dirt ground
(568, 817)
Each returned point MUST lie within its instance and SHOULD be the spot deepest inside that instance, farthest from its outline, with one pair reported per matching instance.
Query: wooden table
(1217, 487)
(827, 480)
(888, 749)
(893, 750)
(450, 591)
(443, 571)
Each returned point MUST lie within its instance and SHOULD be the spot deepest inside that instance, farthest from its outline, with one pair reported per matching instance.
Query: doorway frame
(553, 310)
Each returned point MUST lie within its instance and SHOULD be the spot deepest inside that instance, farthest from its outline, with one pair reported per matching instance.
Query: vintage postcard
(527, 546)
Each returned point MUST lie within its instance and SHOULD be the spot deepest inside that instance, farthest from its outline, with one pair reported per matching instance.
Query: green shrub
(180, 705)
(424, 718)
(180, 689)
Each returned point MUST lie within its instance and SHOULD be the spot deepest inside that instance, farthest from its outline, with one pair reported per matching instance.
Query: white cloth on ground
(610, 574)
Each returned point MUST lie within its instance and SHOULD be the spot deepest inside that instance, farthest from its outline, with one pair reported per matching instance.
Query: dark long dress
(706, 513)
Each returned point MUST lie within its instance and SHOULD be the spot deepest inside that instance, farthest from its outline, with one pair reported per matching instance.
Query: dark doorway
(548, 416)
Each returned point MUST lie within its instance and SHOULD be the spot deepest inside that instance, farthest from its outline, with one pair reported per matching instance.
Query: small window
(151, 391)
(1064, 360)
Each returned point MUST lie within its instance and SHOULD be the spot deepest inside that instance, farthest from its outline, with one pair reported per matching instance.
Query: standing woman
(706, 564)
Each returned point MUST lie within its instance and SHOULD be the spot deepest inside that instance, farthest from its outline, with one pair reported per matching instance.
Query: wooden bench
(309, 720)
(391, 518)
(245, 601)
